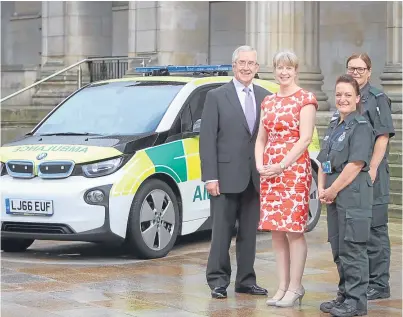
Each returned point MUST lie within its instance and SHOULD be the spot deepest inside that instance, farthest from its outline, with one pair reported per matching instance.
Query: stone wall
(348, 27)
(120, 31)
(21, 33)
(20, 48)
(14, 78)
(227, 30)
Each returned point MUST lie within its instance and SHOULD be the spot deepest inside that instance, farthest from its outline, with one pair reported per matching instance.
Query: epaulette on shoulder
(335, 116)
(361, 119)
(375, 91)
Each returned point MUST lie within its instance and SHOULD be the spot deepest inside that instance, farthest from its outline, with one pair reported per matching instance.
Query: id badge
(327, 167)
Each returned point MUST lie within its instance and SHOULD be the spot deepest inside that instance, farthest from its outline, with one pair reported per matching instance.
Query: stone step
(395, 211)
(395, 158)
(70, 75)
(46, 101)
(398, 134)
(395, 145)
(9, 134)
(395, 170)
(24, 115)
(396, 184)
(55, 89)
(396, 198)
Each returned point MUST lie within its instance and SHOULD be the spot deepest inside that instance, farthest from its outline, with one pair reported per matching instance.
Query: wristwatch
(282, 166)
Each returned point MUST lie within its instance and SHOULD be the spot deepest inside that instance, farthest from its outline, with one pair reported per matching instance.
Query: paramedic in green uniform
(377, 110)
(345, 186)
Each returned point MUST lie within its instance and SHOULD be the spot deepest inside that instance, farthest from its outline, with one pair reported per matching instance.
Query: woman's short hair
(348, 79)
(286, 57)
(244, 48)
(362, 56)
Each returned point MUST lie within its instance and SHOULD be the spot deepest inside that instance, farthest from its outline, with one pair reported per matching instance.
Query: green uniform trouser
(379, 243)
(349, 221)
(379, 252)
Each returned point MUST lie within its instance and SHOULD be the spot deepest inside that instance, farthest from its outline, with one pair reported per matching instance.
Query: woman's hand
(329, 195)
(322, 198)
(263, 170)
(274, 170)
(372, 173)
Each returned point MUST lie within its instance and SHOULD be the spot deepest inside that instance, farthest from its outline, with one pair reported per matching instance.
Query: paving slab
(62, 279)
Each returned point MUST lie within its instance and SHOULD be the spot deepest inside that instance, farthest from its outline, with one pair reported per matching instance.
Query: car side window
(190, 113)
(194, 107)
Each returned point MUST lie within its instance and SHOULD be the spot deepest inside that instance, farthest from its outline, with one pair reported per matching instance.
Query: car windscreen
(117, 108)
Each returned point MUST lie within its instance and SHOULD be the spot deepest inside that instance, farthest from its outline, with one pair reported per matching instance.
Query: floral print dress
(284, 200)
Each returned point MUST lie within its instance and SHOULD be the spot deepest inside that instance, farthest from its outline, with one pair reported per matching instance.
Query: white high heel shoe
(272, 301)
(298, 295)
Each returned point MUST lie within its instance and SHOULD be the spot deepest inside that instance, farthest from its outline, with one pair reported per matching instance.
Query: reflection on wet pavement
(54, 279)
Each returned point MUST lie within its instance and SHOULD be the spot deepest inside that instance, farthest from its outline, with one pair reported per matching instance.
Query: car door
(195, 198)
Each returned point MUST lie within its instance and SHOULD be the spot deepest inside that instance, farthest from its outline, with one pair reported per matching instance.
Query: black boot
(327, 306)
(346, 310)
(373, 293)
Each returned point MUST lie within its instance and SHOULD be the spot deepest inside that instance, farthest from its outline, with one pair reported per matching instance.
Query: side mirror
(196, 126)
(195, 131)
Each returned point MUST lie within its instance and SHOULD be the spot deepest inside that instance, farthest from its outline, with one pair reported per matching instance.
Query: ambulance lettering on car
(117, 161)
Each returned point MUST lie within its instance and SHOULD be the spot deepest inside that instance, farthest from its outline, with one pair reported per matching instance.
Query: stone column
(176, 32)
(71, 31)
(74, 30)
(142, 35)
(183, 37)
(53, 33)
(89, 29)
(279, 25)
(392, 73)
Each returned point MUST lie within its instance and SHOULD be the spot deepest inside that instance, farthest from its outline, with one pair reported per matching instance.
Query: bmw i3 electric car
(118, 160)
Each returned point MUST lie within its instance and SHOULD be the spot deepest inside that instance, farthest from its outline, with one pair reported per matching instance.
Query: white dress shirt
(239, 87)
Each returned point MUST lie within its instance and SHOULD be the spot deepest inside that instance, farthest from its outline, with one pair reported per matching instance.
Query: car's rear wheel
(153, 224)
(314, 203)
(15, 245)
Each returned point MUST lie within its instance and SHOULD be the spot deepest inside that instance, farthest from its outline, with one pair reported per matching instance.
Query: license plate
(29, 207)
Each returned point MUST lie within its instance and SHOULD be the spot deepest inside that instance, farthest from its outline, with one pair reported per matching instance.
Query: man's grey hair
(244, 48)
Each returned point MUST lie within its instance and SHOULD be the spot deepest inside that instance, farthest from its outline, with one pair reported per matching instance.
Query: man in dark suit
(229, 127)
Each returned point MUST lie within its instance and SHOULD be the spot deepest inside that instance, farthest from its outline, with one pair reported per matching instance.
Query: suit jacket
(227, 148)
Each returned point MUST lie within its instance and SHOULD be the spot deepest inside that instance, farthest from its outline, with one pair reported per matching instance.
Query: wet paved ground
(84, 280)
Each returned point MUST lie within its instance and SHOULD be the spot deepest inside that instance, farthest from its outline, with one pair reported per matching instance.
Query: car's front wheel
(15, 245)
(314, 203)
(153, 224)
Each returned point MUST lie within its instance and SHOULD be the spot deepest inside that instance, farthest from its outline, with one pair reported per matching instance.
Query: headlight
(102, 168)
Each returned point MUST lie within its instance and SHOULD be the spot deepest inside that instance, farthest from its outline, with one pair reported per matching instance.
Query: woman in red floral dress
(282, 159)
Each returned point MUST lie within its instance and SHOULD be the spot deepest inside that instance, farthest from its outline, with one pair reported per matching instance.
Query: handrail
(72, 66)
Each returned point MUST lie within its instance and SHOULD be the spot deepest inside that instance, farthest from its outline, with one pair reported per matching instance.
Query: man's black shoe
(327, 306)
(219, 292)
(252, 290)
(375, 294)
(346, 310)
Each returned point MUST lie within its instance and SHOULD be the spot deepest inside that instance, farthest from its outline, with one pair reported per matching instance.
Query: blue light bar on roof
(186, 69)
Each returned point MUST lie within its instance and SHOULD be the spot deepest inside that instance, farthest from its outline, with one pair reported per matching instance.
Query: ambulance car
(117, 161)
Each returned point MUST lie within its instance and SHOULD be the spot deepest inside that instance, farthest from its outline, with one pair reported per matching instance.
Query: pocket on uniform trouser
(357, 226)
(381, 186)
(367, 194)
(379, 215)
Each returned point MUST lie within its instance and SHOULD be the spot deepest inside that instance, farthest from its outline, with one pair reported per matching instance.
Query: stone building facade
(42, 37)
